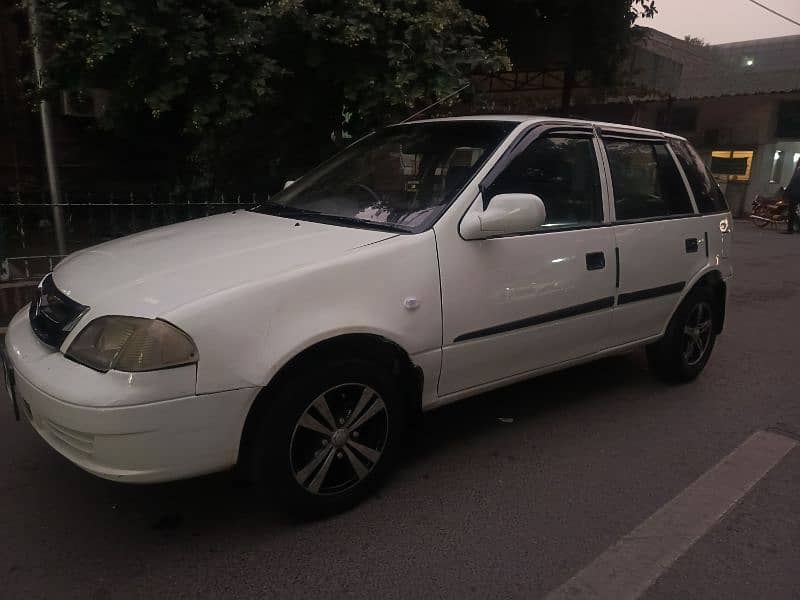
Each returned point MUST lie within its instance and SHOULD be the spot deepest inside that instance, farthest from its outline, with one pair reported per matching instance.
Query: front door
(518, 303)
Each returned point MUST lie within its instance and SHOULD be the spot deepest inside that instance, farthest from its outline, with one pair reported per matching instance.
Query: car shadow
(527, 401)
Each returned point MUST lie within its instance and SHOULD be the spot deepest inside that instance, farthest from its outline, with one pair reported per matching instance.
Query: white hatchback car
(428, 262)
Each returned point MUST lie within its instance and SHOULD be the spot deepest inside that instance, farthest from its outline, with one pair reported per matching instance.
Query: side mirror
(506, 213)
(288, 183)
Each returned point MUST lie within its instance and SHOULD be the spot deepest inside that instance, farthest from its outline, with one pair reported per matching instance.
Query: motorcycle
(773, 210)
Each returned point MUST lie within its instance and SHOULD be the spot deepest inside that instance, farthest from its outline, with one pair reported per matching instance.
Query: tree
(233, 86)
(696, 41)
(575, 35)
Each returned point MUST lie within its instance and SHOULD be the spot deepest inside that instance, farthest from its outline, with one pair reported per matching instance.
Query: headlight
(132, 344)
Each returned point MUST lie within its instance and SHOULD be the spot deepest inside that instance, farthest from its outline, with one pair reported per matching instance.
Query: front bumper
(110, 436)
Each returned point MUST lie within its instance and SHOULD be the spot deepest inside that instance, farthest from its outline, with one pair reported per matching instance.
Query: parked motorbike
(773, 210)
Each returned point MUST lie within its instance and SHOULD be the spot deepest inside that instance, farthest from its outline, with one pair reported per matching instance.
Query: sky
(721, 21)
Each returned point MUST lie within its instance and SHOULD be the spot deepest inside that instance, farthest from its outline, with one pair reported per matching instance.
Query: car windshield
(401, 178)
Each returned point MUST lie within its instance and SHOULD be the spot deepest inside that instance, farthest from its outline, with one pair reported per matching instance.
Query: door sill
(505, 381)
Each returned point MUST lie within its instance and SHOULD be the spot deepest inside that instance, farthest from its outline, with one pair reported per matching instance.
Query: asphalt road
(502, 496)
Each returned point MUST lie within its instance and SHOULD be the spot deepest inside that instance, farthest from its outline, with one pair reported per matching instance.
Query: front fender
(246, 334)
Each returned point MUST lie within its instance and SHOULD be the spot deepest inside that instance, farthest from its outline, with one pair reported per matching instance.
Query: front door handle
(595, 261)
(692, 245)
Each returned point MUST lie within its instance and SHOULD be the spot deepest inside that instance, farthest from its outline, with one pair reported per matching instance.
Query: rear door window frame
(651, 138)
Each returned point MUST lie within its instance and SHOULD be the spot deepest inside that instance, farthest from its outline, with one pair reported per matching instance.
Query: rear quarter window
(707, 195)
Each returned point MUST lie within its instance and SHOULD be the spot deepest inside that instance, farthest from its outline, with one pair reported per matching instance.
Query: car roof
(533, 119)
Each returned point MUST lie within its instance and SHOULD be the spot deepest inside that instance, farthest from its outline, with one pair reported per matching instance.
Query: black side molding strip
(563, 313)
(664, 290)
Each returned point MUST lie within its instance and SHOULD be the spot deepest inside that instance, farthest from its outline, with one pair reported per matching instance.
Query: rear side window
(647, 183)
(707, 195)
(563, 172)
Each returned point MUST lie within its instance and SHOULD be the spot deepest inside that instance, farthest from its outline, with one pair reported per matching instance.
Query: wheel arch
(370, 346)
(714, 281)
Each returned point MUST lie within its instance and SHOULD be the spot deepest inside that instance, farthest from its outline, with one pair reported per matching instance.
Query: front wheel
(684, 350)
(760, 223)
(761, 212)
(330, 436)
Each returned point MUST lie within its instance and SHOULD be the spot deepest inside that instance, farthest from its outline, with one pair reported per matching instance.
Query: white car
(428, 262)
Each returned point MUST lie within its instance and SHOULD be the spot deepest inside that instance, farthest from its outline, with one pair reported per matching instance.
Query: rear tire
(684, 350)
(329, 437)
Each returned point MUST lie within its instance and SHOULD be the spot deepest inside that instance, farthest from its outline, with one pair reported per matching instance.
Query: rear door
(660, 244)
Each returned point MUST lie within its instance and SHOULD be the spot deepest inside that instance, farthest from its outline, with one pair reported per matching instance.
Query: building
(738, 103)
(741, 108)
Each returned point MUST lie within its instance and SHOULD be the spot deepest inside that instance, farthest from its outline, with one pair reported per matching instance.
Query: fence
(28, 248)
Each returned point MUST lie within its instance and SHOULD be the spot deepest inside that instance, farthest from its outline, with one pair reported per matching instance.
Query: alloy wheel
(339, 439)
(697, 333)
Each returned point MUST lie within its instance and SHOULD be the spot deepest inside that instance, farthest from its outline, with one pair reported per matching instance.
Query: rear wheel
(684, 350)
(330, 436)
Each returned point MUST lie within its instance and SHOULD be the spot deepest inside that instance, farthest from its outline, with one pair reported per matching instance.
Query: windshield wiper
(281, 210)
(382, 225)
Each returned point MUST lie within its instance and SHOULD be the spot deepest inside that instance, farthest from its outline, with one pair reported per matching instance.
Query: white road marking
(634, 562)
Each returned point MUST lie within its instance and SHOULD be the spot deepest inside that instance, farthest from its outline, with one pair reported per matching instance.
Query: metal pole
(47, 133)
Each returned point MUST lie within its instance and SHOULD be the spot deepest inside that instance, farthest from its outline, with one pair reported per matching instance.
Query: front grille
(53, 314)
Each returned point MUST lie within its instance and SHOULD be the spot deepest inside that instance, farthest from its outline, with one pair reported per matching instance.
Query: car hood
(151, 273)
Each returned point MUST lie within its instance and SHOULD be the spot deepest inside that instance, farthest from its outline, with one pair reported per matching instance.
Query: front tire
(682, 354)
(761, 212)
(330, 436)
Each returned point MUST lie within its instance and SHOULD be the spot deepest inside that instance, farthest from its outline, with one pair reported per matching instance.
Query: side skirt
(492, 385)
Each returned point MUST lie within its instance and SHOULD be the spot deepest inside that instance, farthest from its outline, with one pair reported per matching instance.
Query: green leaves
(273, 75)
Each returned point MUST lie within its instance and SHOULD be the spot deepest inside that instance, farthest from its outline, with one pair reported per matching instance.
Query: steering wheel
(367, 189)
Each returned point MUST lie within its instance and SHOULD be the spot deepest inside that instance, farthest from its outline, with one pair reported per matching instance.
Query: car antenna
(427, 108)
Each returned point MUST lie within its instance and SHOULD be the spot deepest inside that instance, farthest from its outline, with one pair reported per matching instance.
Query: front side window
(646, 180)
(563, 172)
(402, 177)
(707, 195)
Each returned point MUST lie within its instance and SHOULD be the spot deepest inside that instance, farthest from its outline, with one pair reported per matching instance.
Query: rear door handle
(595, 261)
(692, 245)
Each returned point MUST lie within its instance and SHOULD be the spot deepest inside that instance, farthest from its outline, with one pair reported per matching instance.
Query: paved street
(506, 495)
